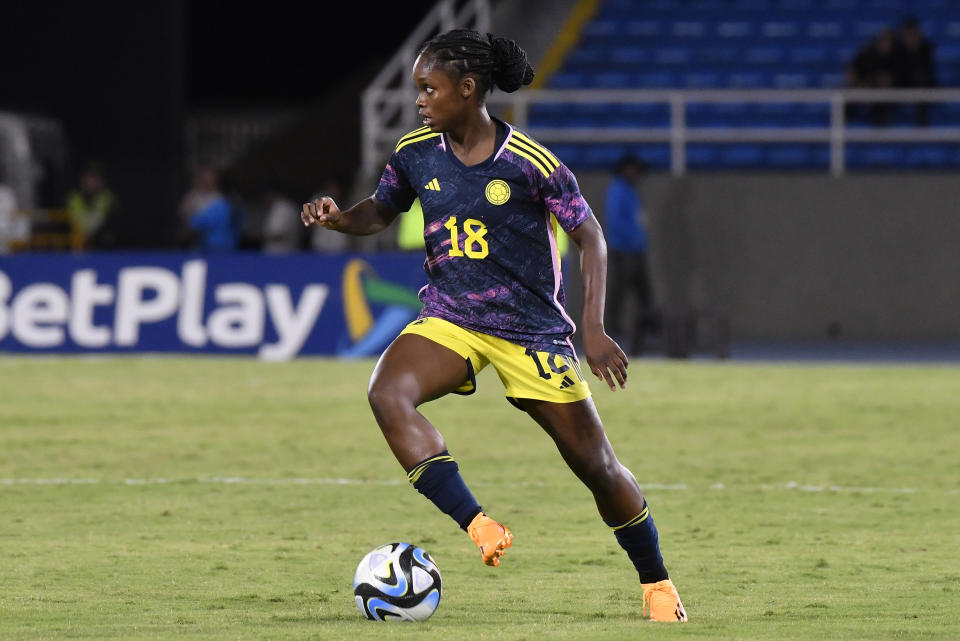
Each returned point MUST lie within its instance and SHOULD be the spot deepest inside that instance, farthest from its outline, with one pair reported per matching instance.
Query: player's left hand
(606, 360)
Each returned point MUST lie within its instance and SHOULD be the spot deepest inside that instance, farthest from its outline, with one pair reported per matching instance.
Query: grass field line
(240, 480)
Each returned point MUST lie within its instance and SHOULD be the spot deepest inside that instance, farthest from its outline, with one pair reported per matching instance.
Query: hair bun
(512, 69)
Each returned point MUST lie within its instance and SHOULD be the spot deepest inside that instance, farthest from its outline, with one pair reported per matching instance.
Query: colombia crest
(497, 192)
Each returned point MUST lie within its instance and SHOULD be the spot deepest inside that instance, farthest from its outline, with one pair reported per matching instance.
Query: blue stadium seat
(632, 55)
(921, 7)
(749, 44)
(639, 115)
(809, 55)
(874, 156)
(765, 55)
(848, 6)
(924, 156)
(605, 155)
(738, 156)
(702, 80)
(748, 80)
(644, 28)
(610, 80)
(797, 156)
(601, 28)
(792, 80)
(716, 56)
(779, 29)
(753, 5)
(703, 156)
(865, 29)
(735, 29)
(656, 80)
(831, 79)
(586, 56)
(657, 156)
(570, 155)
(722, 114)
(826, 29)
(894, 6)
(672, 56)
(568, 80)
(548, 115)
(948, 53)
(797, 5)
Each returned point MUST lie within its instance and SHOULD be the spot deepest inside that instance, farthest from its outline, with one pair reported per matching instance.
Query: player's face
(439, 101)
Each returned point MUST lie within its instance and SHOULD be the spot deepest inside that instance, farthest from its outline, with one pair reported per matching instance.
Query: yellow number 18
(475, 245)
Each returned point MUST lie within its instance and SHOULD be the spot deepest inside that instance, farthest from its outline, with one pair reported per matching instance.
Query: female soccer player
(489, 195)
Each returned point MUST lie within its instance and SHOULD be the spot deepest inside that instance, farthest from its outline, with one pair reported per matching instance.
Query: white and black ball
(397, 582)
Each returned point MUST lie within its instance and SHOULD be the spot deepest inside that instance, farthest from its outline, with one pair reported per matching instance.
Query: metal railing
(677, 134)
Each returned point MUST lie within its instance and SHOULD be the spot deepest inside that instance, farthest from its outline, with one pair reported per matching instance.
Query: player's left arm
(605, 358)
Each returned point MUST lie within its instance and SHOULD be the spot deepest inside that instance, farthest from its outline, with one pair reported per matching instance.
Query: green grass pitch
(232, 499)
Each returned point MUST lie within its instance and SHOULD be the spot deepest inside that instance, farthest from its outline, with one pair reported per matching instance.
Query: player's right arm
(366, 217)
(394, 194)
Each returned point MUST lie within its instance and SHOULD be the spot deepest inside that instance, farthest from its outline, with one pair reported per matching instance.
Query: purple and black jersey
(492, 259)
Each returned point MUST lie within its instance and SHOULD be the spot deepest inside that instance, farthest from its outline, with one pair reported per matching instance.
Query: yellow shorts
(524, 372)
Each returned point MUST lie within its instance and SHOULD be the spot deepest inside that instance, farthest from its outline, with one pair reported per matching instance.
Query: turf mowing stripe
(239, 480)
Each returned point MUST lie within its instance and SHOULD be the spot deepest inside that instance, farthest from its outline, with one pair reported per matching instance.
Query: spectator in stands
(877, 65)
(282, 230)
(216, 225)
(91, 207)
(917, 68)
(627, 257)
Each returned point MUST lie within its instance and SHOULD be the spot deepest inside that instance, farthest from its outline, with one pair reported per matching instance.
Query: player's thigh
(416, 369)
(576, 429)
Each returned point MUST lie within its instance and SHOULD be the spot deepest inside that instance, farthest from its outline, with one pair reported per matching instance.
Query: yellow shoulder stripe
(535, 152)
(415, 132)
(543, 150)
(406, 141)
(538, 163)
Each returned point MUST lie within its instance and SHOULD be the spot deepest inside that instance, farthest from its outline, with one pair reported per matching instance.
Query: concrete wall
(806, 256)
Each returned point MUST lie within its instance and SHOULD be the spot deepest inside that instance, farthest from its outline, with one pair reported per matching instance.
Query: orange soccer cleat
(664, 602)
(491, 537)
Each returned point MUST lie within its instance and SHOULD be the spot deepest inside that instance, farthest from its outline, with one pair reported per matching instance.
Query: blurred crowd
(211, 217)
(215, 216)
(894, 58)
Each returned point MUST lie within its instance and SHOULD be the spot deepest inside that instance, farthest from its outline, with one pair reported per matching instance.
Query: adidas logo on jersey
(567, 382)
(433, 185)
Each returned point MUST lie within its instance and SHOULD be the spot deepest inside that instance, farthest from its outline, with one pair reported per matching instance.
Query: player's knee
(386, 396)
(603, 475)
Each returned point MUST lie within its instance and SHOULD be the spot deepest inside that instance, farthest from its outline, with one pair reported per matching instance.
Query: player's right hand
(323, 211)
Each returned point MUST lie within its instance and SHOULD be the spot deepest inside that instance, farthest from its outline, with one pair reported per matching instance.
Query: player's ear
(468, 86)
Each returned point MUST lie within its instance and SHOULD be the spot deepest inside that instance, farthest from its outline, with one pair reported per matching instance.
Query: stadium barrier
(274, 307)
(835, 132)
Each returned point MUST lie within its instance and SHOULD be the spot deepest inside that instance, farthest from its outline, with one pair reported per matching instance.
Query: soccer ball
(397, 582)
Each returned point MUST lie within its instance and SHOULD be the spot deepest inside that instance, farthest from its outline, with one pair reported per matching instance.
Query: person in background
(204, 190)
(877, 65)
(917, 68)
(216, 225)
(282, 230)
(627, 256)
(90, 208)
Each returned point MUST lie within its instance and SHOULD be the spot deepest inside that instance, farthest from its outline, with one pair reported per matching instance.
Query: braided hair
(493, 60)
